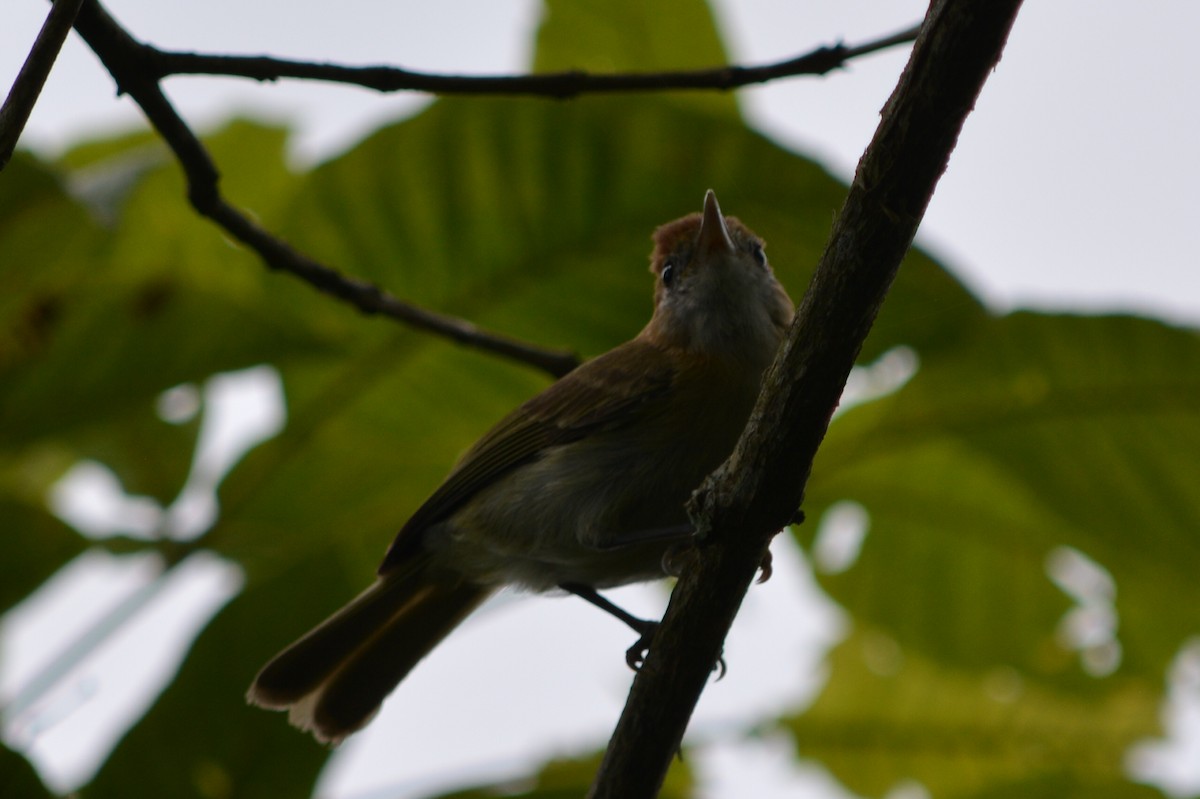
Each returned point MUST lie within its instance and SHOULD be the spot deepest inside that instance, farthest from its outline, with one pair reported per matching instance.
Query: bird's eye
(759, 256)
(668, 273)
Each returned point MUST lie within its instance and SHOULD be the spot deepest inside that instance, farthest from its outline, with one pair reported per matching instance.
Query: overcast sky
(1076, 184)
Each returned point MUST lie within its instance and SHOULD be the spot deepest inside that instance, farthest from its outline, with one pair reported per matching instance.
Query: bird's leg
(683, 536)
(645, 628)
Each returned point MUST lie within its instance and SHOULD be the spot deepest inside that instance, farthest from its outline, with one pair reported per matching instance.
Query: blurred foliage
(1016, 437)
(891, 713)
(18, 778)
(570, 779)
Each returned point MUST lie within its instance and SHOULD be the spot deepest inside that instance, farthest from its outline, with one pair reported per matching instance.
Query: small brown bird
(582, 487)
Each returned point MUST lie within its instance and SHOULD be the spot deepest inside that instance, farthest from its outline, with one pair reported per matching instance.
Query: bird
(582, 487)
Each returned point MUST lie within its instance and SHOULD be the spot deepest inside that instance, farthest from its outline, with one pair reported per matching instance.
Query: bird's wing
(602, 394)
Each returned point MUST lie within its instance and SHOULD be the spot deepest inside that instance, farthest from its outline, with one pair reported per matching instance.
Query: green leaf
(890, 715)
(36, 544)
(631, 36)
(1031, 433)
(100, 321)
(1028, 434)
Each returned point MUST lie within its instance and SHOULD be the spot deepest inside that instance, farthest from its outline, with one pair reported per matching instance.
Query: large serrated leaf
(1032, 433)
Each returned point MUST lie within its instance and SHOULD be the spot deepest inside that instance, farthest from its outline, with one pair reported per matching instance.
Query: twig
(32, 77)
(755, 492)
(130, 64)
(559, 85)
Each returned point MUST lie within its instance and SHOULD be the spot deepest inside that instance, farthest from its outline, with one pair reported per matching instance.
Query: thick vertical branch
(756, 491)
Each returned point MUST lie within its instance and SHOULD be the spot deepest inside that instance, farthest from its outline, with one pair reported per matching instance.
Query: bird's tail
(333, 680)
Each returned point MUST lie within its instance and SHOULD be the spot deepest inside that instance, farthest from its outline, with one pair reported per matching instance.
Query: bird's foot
(764, 567)
(635, 656)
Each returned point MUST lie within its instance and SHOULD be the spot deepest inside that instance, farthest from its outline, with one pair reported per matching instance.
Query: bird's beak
(714, 236)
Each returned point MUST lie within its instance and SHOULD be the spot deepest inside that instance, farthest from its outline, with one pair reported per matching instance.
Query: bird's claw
(635, 656)
(678, 558)
(765, 568)
(675, 561)
(765, 565)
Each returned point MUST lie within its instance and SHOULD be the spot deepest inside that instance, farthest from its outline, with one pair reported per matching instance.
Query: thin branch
(32, 77)
(755, 492)
(131, 64)
(559, 85)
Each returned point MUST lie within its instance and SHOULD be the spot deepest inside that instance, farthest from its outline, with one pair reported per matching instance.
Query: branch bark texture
(32, 77)
(756, 491)
(557, 85)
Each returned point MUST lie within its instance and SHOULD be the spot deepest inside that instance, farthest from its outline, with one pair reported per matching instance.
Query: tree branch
(138, 68)
(754, 493)
(559, 85)
(131, 65)
(32, 77)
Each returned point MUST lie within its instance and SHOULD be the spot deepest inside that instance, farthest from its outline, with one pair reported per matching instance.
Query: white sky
(1076, 184)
